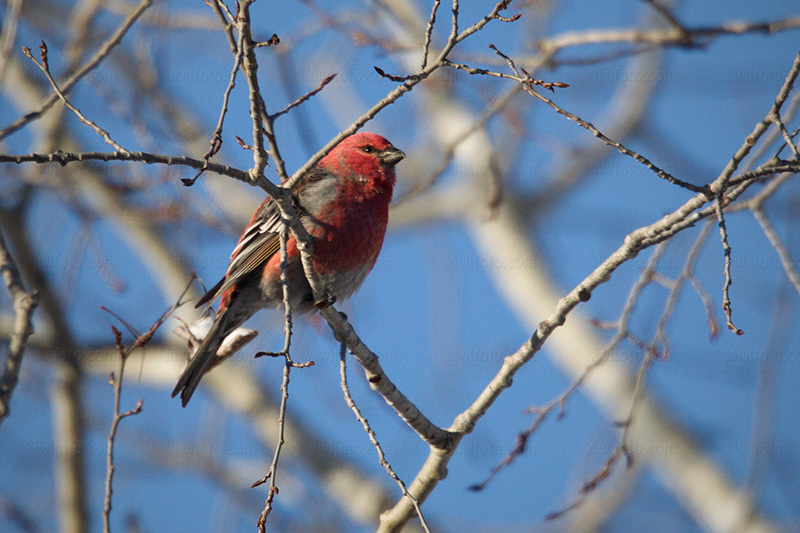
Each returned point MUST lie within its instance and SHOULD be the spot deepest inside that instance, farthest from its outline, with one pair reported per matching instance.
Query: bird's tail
(225, 323)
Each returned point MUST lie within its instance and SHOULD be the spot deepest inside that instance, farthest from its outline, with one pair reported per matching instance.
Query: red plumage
(343, 202)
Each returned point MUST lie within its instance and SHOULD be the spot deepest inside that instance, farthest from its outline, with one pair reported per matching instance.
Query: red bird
(343, 202)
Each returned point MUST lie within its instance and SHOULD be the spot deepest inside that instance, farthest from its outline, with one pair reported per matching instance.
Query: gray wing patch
(260, 242)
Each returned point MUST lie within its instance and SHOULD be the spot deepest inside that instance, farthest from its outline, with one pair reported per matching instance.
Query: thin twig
(726, 248)
(380, 382)
(273, 468)
(216, 138)
(373, 438)
(101, 54)
(776, 119)
(527, 84)
(305, 97)
(142, 340)
(45, 67)
(428, 34)
(287, 367)
(116, 382)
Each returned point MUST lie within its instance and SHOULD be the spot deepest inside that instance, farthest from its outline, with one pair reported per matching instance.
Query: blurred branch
(670, 37)
(17, 516)
(7, 35)
(24, 305)
(67, 396)
(783, 254)
(667, 15)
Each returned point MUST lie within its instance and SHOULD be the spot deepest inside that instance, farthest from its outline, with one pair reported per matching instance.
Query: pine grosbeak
(343, 202)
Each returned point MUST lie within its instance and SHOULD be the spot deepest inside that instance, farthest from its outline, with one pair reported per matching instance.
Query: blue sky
(430, 308)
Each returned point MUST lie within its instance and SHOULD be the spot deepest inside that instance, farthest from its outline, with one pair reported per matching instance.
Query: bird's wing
(261, 240)
(258, 243)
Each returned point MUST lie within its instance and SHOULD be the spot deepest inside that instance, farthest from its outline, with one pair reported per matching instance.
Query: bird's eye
(367, 149)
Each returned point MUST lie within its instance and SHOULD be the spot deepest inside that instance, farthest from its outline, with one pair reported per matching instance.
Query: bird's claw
(327, 301)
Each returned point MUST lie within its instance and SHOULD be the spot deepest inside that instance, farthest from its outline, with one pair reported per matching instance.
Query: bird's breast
(350, 234)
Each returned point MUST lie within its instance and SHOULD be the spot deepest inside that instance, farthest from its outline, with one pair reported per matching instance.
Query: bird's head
(365, 156)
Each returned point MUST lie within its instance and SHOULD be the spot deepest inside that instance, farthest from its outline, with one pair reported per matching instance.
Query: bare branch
(24, 306)
(257, 110)
(101, 54)
(723, 232)
(527, 84)
(381, 383)
(45, 67)
(62, 158)
(373, 438)
(305, 97)
(435, 466)
(621, 325)
(428, 34)
(116, 382)
(227, 21)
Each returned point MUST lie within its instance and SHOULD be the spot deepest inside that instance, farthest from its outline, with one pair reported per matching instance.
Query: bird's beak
(391, 156)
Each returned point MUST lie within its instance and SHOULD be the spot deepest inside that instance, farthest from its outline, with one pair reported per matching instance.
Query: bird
(343, 202)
